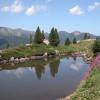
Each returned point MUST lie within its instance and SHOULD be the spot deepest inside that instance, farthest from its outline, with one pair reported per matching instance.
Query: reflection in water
(41, 79)
(74, 58)
(39, 69)
(76, 64)
(54, 67)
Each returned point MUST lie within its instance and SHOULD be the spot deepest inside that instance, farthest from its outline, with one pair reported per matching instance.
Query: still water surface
(41, 80)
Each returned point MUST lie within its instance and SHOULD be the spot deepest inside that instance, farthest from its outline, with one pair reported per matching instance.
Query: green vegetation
(96, 46)
(31, 39)
(54, 37)
(89, 89)
(23, 50)
(74, 41)
(86, 36)
(39, 36)
(67, 42)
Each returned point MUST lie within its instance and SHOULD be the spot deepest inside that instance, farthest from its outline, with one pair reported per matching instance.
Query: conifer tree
(54, 37)
(67, 42)
(38, 38)
(74, 41)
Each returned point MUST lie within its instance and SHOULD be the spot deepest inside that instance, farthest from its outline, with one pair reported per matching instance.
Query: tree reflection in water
(39, 69)
(54, 67)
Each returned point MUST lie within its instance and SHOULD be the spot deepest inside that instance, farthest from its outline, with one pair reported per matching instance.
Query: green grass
(22, 51)
(90, 88)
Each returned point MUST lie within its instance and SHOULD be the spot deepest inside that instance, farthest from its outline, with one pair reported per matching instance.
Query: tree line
(53, 38)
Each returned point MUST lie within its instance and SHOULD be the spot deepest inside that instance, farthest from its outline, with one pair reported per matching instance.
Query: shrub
(96, 46)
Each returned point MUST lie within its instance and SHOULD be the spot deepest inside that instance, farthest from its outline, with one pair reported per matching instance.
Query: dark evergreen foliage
(54, 37)
(74, 40)
(39, 36)
(67, 42)
(96, 46)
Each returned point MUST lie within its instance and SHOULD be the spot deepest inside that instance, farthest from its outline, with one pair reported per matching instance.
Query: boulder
(4, 61)
(57, 52)
(32, 57)
(11, 59)
(16, 60)
(22, 60)
(45, 54)
(26, 58)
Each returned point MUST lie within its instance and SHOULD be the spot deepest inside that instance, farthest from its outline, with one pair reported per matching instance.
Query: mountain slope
(19, 36)
(13, 37)
(78, 35)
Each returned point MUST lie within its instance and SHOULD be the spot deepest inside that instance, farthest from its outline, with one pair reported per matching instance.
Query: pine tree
(31, 39)
(38, 38)
(74, 41)
(54, 37)
(67, 42)
(86, 36)
(42, 35)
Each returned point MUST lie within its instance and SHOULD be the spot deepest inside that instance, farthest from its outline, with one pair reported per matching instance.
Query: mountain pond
(46, 79)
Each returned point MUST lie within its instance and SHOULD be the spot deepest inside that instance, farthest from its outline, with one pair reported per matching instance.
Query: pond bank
(41, 51)
(89, 87)
(43, 56)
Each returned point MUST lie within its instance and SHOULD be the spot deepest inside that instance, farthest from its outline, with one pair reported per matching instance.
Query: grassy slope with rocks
(23, 51)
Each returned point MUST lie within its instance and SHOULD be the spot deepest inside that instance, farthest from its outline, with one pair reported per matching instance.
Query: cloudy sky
(67, 15)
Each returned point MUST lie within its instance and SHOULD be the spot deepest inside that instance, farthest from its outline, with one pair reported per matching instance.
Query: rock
(26, 58)
(22, 60)
(45, 54)
(57, 52)
(84, 55)
(32, 57)
(11, 59)
(16, 60)
(4, 61)
(28, 45)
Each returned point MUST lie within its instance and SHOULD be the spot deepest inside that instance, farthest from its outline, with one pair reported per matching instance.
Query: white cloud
(5, 9)
(16, 7)
(94, 6)
(34, 9)
(76, 10)
(76, 66)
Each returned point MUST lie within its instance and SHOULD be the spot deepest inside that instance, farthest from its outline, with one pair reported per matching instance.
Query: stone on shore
(22, 60)
(11, 59)
(16, 60)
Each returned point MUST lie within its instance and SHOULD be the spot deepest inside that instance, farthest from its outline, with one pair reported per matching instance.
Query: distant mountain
(19, 36)
(13, 36)
(79, 36)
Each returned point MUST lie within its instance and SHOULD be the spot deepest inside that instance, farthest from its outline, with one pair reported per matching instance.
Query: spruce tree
(54, 37)
(38, 38)
(42, 35)
(86, 36)
(31, 39)
(74, 41)
(67, 42)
